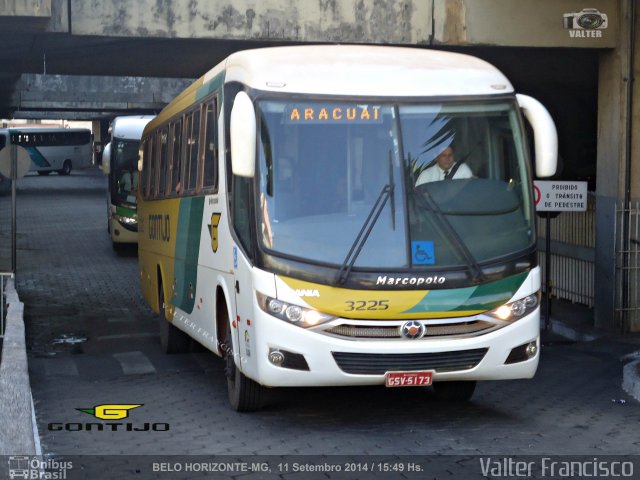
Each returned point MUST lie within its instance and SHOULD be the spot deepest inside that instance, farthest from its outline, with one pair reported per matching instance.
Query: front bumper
(331, 361)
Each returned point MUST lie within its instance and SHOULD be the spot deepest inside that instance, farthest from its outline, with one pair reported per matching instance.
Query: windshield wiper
(471, 263)
(363, 234)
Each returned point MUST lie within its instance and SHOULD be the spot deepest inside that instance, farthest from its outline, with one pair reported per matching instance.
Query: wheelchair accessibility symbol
(422, 253)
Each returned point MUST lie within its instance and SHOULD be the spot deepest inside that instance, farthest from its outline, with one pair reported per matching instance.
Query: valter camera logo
(589, 22)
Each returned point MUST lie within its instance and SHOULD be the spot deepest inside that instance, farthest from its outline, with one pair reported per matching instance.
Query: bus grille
(380, 363)
(468, 328)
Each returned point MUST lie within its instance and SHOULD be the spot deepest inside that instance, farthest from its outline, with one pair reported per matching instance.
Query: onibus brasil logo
(111, 412)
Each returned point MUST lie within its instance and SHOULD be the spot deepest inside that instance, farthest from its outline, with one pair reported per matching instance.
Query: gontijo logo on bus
(332, 113)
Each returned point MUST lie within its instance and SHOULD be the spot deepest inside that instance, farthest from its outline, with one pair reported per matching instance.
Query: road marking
(134, 363)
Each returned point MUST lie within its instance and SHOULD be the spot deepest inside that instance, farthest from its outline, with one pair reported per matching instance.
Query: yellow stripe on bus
(370, 304)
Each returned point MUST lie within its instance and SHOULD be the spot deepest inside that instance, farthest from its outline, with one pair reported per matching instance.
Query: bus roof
(44, 130)
(363, 70)
(130, 126)
(350, 70)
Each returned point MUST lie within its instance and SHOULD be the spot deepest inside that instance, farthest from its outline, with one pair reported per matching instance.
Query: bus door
(243, 274)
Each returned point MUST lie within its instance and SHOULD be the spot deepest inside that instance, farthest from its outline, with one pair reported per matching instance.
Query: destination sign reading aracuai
(313, 113)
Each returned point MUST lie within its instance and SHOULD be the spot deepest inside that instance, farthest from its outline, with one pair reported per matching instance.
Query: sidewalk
(18, 432)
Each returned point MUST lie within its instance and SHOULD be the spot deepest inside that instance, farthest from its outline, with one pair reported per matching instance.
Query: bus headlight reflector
(276, 306)
(295, 314)
(517, 309)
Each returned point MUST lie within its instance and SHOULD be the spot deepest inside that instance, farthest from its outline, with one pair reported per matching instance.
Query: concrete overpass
(53, 51)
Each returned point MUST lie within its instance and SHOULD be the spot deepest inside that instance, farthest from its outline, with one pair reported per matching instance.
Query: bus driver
(129, 179)
(445, 168)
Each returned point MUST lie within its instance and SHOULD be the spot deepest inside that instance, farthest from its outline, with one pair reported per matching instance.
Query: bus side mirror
(545, 136)
(106, 159)
(243, 136)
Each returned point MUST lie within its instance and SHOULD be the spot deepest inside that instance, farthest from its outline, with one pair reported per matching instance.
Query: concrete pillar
(615, 165)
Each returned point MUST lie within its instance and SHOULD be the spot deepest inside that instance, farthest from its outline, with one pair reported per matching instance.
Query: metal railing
(572, 253)
(628, 265)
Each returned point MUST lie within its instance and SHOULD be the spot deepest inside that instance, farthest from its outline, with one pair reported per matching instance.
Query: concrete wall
(618, 165)
(525, 23)
(379, 21)
(25, 8)
(529, 23)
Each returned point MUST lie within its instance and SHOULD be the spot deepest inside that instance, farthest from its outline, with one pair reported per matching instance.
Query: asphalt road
(92, 340)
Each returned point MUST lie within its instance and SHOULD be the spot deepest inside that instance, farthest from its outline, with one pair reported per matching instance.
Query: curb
(631, 379)
(560, 328)
(17, 436)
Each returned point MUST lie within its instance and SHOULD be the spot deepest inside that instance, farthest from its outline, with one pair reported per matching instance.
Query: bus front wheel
(245, 395)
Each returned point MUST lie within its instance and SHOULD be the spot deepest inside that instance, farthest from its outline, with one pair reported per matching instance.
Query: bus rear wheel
(172, 339)
(454, 391)
(66, 168)
(245, 395)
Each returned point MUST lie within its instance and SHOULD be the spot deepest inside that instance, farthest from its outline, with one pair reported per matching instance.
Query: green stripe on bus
(483, 297)
(37, 157)
(211, 86)
(494, 294)
(187, 251)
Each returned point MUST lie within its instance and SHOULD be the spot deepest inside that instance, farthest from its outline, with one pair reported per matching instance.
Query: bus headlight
(294, 314)
(125, 220)
(517, 309)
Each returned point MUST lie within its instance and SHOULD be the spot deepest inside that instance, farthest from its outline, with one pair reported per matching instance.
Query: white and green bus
(120, 164)
(282, 224)
(52, 149)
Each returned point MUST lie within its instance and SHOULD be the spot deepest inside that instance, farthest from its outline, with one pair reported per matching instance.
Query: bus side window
(156, 164)
(210, 146)
(164, 144)
(192, 133)
(148, 166)
(176, 158)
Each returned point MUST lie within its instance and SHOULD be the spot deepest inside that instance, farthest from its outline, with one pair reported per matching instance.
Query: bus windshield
(124, 170)
(438, 185)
